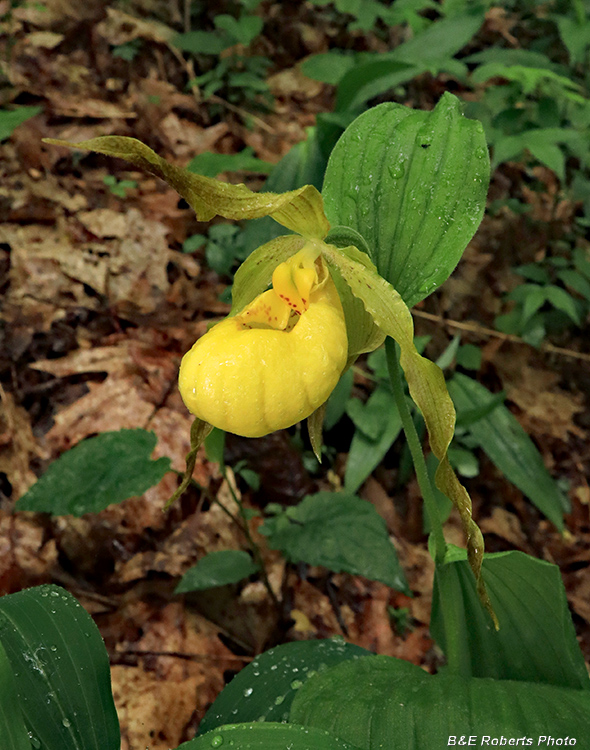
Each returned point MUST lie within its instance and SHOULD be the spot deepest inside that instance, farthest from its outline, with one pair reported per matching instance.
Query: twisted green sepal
(425, 380)
(300, 210)
(199, 431)
(315, 425)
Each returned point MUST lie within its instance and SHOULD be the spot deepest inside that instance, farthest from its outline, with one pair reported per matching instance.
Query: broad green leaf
(242, 30)
(388, 703)
(10, 119)
(210, 164)
(508, 446)
(299, 210)
(217, 569)
(536, 641)
(265, 689)
(61, 670)
(551, 156)
(201, 42)
(340, 532)
(13, 732)
(260, 735)
(576, 281)
(367, 452)
(97, 472)
(414, 185)
(425, 380)
(374, 76)
(328, 67)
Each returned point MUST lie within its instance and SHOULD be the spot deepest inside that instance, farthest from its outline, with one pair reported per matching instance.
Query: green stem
(430, 505)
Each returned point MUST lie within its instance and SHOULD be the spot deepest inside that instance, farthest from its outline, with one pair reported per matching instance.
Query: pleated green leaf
(299, 210)
(501, 437)
(265, 689)
(267, 736)
(61, 670)
(536, 641)
(388, 703)
(414, 185)
(13, 732)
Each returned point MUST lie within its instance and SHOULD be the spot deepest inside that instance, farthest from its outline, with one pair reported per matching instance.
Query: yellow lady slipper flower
(277, 360)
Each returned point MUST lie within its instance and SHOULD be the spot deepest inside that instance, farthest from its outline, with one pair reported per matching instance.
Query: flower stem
(430, 505)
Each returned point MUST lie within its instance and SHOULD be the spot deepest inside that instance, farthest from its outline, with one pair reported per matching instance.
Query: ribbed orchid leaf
(384, 702)
(299, 210)
(414, 184)
(425, 380)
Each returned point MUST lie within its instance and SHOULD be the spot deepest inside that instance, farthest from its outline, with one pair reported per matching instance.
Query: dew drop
(66, 722)
(279, 699)
(217, 741)
(248, 692)
(296, 684)
(34, 741)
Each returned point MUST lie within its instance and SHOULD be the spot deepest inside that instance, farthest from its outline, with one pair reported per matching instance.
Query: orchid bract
(406, 190)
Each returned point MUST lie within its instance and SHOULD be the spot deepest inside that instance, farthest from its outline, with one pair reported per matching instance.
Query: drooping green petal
(199, 431)
(363, 334)
(425, 380)
(300, 210)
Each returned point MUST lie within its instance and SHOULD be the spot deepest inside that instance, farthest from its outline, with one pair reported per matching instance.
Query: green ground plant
(387, 243)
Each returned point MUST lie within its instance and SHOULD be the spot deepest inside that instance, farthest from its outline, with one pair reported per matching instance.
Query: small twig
(244, 114)
(181, 655)
(482, 331)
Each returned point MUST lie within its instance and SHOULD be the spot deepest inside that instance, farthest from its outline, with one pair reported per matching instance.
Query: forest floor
(99, 302)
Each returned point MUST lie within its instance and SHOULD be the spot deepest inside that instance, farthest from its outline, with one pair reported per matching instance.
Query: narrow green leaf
(336, 404)
(414, 185)
(388, 703)
(508, 446)
(265, 689)
(536, 641)
(365, 453)
(13, 732)
(432, 49)
(217, 569)
(267, 736)
(299, 210)
(340, 532)
(561, 300)
(61, 670)
(97, 472)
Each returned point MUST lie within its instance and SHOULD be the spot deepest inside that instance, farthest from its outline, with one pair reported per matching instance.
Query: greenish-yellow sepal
(199, 431)
(300, 210)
